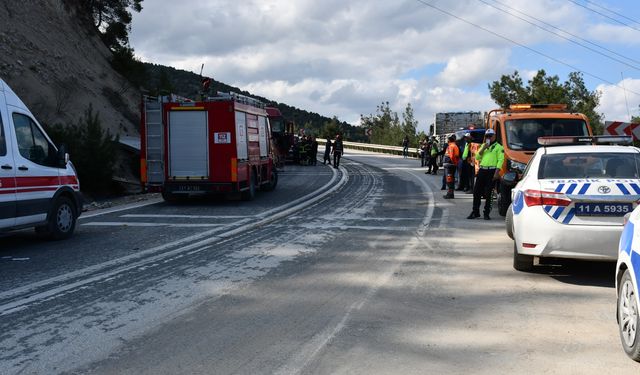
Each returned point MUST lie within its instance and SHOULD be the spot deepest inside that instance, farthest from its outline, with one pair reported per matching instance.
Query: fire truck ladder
(155, 142)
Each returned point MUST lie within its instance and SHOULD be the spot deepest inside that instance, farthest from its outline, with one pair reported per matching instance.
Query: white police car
(572, 199)
(627, 272)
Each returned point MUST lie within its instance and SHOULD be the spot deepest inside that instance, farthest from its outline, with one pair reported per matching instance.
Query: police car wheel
(61, 221)
(522, 262)
(508, 223)
(628, 317)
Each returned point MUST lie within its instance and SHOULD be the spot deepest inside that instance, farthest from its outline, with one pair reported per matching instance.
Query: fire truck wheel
(250, 193)
(61, 220)
(273, 182)
(171, 197)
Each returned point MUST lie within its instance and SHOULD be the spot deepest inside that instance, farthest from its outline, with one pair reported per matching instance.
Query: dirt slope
(58, 67)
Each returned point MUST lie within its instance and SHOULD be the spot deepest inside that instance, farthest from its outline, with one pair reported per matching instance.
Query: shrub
(92, 151)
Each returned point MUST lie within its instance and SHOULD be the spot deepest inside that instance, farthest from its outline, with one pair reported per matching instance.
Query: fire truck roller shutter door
(241, 136)
(188, 145)
(262, 133)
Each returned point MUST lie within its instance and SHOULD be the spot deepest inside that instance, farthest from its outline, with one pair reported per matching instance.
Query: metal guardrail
(383, 149)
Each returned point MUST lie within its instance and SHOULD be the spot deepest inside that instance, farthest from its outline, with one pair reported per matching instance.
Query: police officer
(466, 169)
(433, 155)
(491, 156)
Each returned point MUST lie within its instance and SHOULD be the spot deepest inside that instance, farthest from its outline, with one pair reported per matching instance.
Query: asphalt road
(368, 271)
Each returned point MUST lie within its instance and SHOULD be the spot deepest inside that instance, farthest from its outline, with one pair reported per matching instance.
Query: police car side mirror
(510, 178)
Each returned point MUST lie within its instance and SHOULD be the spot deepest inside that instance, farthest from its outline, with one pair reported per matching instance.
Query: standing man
(465, 171)
(327, 152)
(405, 146)
(314, 151)
(491, 156)
(337, 151)
(433, 158)
(450, 164)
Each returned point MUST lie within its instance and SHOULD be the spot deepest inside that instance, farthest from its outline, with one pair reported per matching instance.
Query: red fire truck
(218, 145)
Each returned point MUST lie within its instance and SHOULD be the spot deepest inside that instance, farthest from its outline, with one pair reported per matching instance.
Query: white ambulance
(38, 184)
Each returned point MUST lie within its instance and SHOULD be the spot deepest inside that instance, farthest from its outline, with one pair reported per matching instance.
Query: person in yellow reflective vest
(466, 172)
(491, 157)
(434, 149)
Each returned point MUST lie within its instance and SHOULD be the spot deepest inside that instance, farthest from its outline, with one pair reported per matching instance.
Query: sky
(343, 58)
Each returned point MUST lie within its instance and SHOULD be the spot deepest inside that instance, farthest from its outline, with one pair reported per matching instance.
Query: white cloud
(619, 34)
(473, 67)
(345, 58)
(613, 103)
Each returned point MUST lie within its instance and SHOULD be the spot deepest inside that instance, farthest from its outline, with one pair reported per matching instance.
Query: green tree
(543, 89)
(331, 128)
(113, 19)
(92, 150)
(410, 125)
(386, 126)
(165, 86)
(124, 61)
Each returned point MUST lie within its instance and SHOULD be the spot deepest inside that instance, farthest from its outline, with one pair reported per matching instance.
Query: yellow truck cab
(518, 129)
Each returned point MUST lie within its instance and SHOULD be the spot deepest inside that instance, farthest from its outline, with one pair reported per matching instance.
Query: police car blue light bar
(598, 140)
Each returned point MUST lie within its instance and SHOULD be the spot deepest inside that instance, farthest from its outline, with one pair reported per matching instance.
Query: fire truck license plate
(188, 188)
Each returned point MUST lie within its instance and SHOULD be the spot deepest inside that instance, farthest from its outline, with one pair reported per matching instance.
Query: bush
(92, 151)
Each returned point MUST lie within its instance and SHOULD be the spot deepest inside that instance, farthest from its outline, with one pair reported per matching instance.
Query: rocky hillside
(59, 67)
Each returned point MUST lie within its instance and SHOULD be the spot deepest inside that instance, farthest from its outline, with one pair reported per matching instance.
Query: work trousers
(433, 164)
(483, 187)
(336, 158)
(450, 171)
(327, 157)
(466, 176)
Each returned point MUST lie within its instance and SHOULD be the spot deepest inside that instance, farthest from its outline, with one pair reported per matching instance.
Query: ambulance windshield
(593, 165)
(522, 134)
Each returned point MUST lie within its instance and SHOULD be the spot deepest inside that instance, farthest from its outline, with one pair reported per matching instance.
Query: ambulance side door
(7, 172)
(37, 174)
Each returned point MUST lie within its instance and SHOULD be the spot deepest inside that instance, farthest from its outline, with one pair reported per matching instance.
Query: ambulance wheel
(250, 193)
(508, 223)
(504, 200)
(522, 262)
(273, 181)
(628, 317)
(61, 220)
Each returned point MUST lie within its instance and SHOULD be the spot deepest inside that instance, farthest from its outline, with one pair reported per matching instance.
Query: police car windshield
(594, 165)
(522, 134)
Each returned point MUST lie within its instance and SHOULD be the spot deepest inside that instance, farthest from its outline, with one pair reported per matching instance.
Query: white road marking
(187, 216)
(120, 208)
(346, 227)
(310, 350)
(145, 257)
(134, 224)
